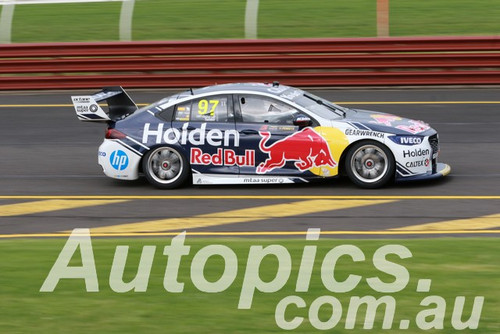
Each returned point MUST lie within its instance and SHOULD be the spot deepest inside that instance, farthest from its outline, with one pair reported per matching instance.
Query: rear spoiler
(120, 105)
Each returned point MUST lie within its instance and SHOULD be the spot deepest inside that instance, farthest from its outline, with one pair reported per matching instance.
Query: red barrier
(228, 63)
(304, 62)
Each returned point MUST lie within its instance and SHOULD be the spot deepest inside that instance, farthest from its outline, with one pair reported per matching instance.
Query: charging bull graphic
(307, 148)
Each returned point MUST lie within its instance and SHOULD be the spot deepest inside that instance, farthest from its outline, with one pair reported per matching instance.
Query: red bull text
(222, 158)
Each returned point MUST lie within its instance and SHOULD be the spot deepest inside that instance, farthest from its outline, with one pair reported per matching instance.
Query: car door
(208, 134)
(267, 127)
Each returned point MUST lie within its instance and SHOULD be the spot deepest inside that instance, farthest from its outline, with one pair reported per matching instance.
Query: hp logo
(118, 160)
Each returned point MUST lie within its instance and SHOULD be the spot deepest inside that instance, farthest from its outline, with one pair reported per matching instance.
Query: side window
(206, 109)
(258, 109)
(183, 112)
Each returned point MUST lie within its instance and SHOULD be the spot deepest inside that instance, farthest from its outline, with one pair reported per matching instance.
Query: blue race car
(254, 133)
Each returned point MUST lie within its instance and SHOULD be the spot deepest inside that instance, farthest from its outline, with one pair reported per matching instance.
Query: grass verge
(456, 267)
(220, 19)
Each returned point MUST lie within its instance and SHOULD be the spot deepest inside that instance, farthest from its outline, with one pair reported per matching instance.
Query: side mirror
(302, 121)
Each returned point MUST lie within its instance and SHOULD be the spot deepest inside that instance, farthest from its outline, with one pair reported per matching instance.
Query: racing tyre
(165, 167)
(370, 164)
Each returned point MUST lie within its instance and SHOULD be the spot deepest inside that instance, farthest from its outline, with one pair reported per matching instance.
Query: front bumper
(441, 171)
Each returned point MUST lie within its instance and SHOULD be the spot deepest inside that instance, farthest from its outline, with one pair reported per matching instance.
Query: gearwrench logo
(291, 311)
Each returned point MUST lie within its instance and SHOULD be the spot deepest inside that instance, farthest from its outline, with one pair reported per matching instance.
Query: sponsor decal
(81, 99)
(93, 108)
(325, 171)
(416, 153)
(101, 153)
(364, 133)
(266, 180)
(118, 160)
(307, 148)
(384, 119)
(223, 157)
(414, 127)
(83, 107)
(278, 128)
(407, 140)
(418, 163)
(86, 106)
(183, 113)
(196, 137)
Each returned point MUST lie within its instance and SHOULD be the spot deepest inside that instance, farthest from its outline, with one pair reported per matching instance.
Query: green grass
(445, 17)
(222, 19)
(66, 22)
(324, 18)
(457, 267)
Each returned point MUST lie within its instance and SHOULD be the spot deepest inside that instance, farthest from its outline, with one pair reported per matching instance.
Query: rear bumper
(117, 161)
(441, 171)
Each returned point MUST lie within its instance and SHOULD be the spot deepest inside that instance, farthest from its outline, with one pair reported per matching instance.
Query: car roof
(274, 88)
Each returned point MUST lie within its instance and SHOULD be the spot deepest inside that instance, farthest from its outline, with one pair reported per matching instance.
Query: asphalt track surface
(50, 181)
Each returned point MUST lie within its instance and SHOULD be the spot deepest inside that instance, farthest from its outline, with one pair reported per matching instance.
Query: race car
(256, 133)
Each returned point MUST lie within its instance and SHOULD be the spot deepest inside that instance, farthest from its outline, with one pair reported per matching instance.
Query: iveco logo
(411, 140)
(407, 140)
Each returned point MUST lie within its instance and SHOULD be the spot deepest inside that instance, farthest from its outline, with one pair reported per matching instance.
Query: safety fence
(300, 62)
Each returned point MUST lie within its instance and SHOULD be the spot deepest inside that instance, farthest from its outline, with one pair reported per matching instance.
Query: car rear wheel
(370, 164)
(165, 167)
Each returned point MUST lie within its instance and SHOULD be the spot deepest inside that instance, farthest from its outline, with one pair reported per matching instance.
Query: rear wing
(119, 105)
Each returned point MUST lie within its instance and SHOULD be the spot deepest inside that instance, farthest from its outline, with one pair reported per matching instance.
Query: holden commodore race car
(255, 133)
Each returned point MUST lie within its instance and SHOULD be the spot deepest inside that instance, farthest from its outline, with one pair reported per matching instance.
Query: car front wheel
(370, 164)
(165, 167)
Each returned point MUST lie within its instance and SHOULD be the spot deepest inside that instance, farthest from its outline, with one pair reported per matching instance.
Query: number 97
(205, 107)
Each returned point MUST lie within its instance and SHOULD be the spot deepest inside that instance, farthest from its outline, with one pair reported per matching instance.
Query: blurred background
(72, 21)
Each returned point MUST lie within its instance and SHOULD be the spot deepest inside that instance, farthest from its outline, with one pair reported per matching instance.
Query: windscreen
(319, 106)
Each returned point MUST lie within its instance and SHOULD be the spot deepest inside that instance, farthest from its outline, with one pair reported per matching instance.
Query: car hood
(383, 122)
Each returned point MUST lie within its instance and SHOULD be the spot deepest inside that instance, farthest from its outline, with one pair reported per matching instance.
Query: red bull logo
(222, 158)
(307, 148)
